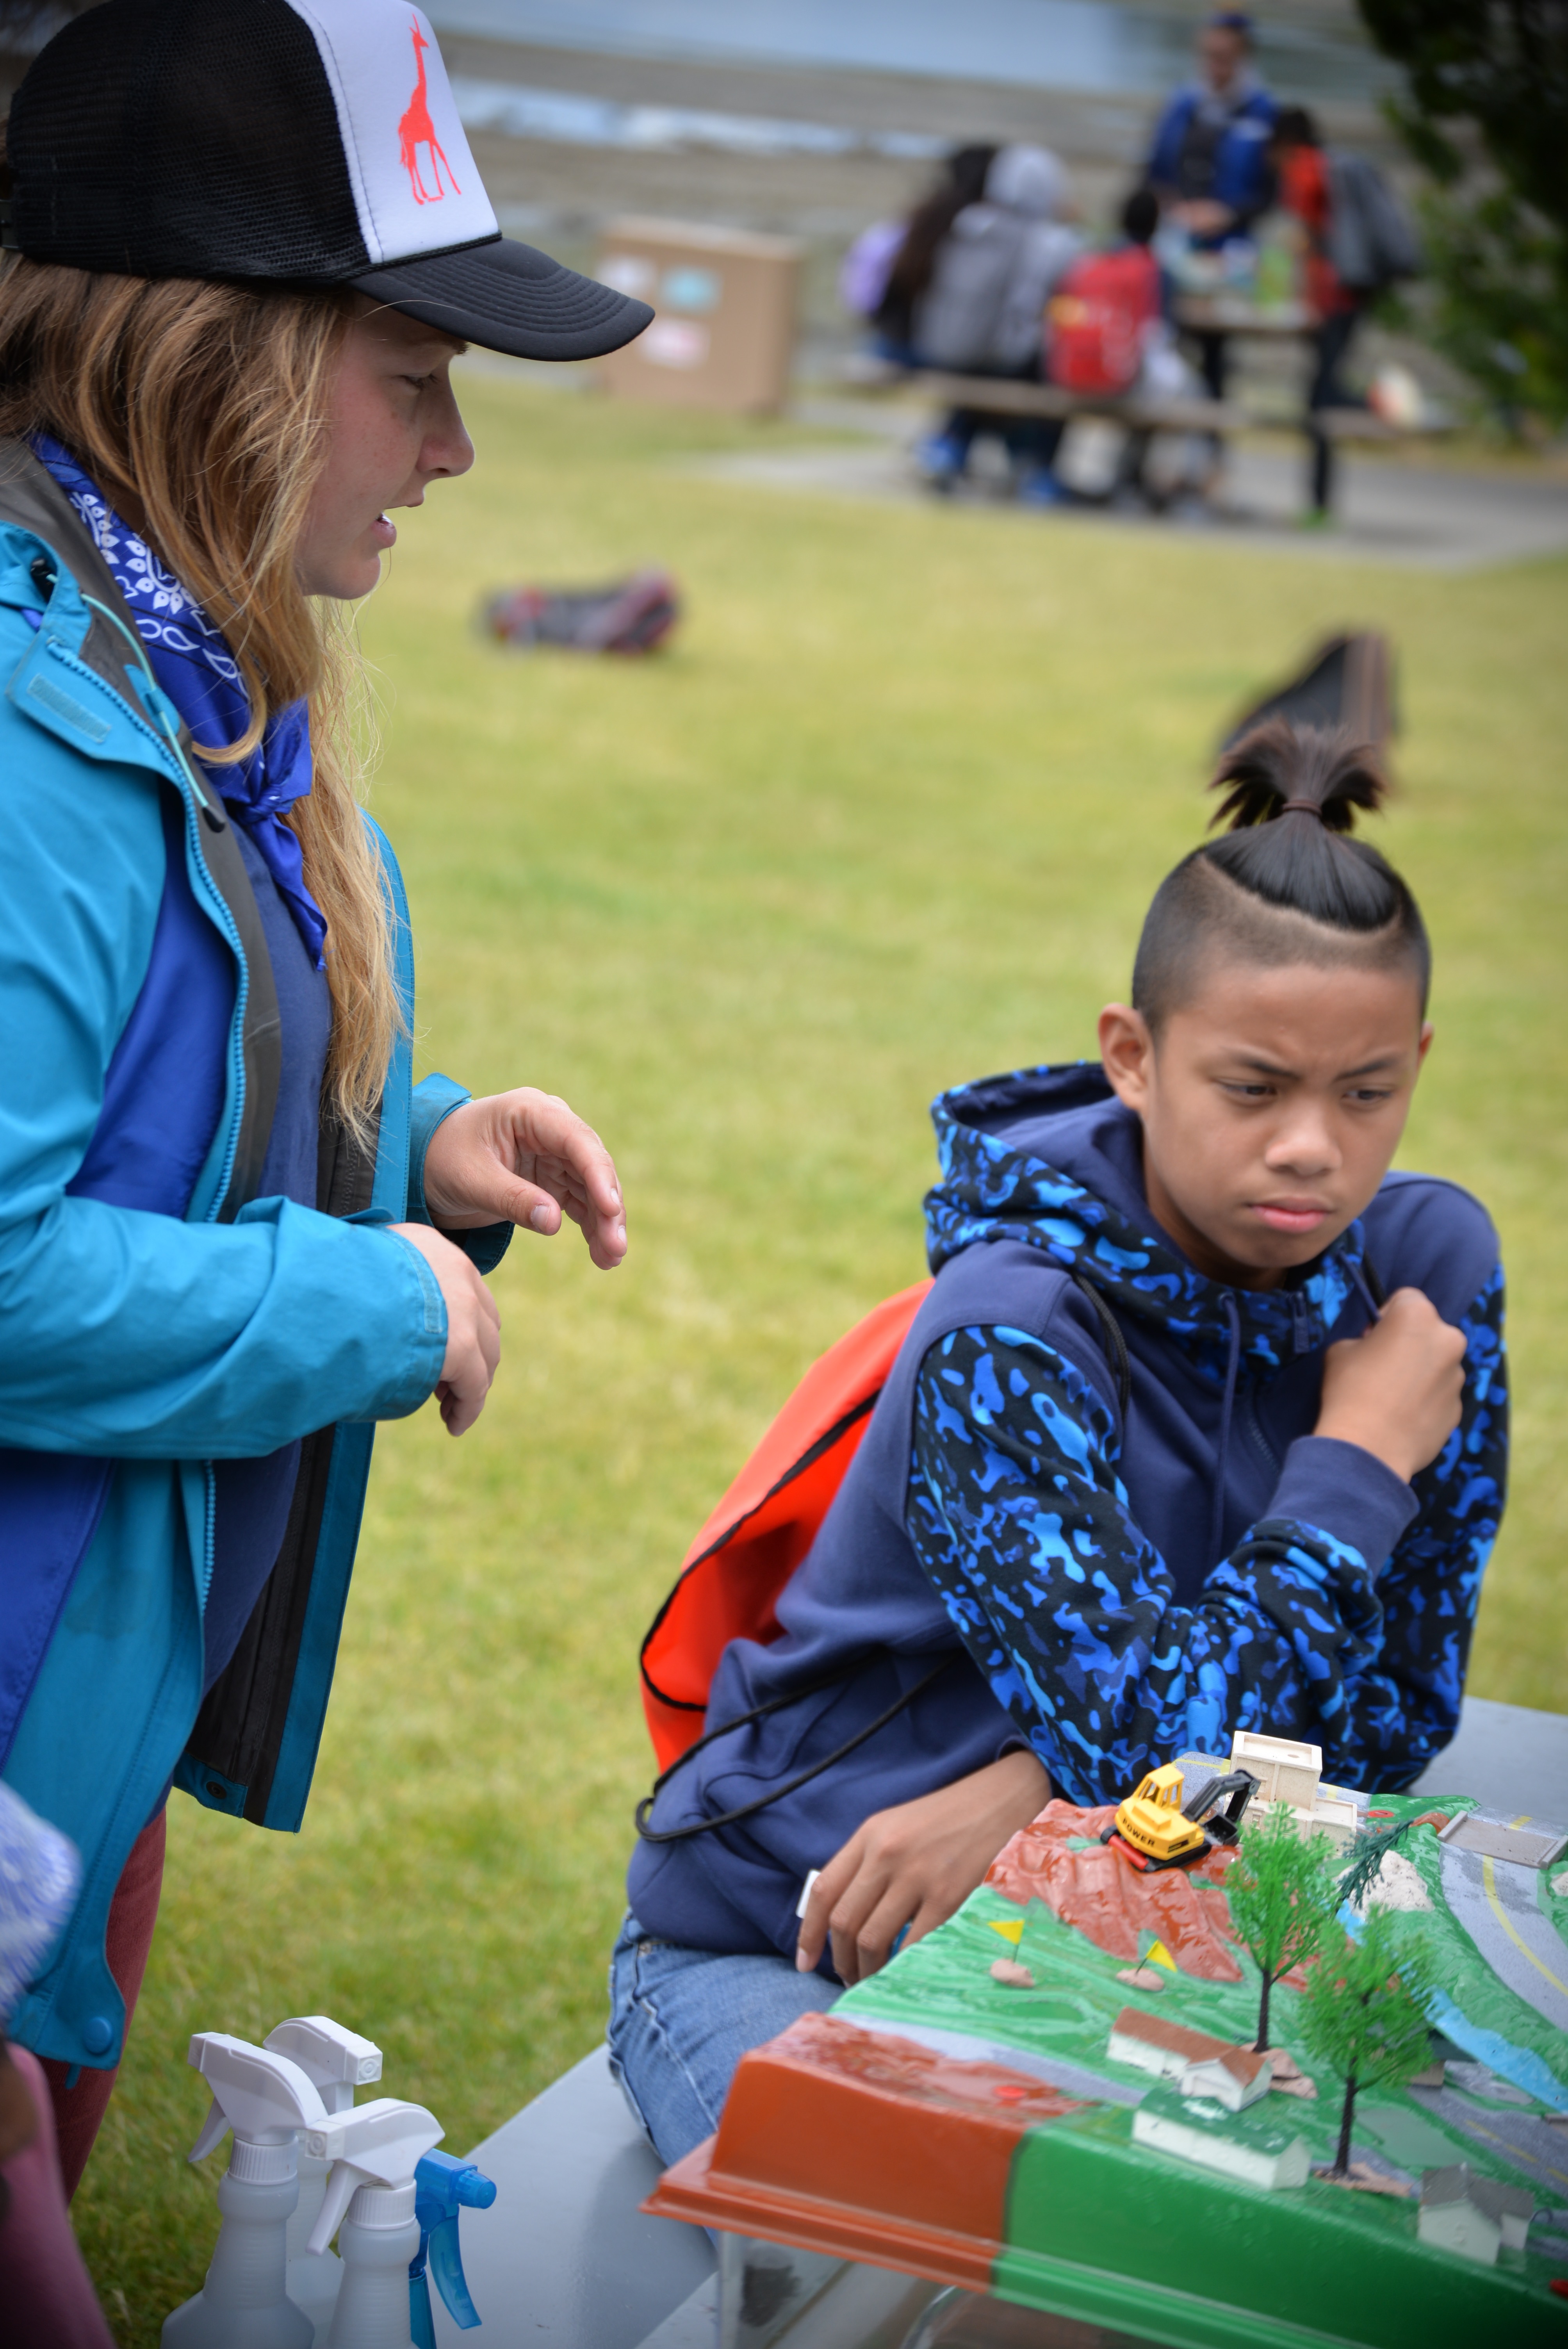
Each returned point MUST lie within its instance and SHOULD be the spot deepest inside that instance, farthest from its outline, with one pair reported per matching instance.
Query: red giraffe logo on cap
(416, 130)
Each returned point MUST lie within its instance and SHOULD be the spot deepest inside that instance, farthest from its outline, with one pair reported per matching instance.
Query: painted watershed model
(1330, 2054)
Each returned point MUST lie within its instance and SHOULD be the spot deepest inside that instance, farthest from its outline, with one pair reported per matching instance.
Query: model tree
(1280, 1893)
(1363, 2016)
(1366, 1855)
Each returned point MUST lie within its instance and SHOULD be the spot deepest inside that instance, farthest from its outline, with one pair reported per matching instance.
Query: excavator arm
(1220, 1804)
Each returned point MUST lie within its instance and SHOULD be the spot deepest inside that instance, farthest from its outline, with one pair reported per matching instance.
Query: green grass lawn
(885, 817)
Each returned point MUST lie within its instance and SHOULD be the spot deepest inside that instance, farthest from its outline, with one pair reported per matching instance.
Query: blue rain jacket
(154, 1315)
(1241, 180)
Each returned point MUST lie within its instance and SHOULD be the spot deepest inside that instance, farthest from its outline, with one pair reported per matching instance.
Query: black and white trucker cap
(302, 142)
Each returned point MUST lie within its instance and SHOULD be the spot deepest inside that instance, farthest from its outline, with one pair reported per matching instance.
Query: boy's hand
(1398, 1390)
(915, 1865)
(525, 1157)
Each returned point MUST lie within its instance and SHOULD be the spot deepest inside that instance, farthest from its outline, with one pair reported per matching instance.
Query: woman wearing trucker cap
(245, 240)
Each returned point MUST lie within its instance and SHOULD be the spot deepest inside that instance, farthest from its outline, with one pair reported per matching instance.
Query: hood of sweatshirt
(1050, 1157)
(1029, 181)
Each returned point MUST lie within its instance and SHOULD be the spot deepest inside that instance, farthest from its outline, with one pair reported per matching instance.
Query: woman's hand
(1201, 216)
(915, 1865)
(1398, 1390)
(473, 1327)
(525, 1157)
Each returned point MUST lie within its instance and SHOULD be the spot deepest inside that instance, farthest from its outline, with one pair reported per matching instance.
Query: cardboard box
(723, 326)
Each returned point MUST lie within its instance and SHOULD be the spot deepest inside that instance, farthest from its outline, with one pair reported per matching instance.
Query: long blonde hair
(198, 409)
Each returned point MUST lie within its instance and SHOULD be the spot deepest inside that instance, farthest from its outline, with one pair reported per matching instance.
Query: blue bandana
(198, 672)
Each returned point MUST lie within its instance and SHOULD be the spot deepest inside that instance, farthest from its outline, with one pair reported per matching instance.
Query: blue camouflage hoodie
(1106, 1588)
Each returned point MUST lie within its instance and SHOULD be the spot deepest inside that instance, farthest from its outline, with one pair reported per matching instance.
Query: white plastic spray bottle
(337, 2062)
(375, 2151)
(265, 2099)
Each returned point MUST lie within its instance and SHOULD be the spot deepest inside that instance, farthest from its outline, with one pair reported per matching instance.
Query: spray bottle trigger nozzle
(378, 2143)
(260, 2096)
(443, 2187)
(337, 2060)
(342, 2181)
(214, 2129)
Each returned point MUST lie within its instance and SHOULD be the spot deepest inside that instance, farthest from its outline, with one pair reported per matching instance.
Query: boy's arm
(1019, 1518)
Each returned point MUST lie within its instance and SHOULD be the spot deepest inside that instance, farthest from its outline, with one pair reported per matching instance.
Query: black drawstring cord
(1374, 1296)
(1232, 1363)
(775, 1794)
(1121, 1364)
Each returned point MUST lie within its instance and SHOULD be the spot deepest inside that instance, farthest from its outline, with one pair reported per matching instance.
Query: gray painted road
(1540, 2148)
(1496, 1903)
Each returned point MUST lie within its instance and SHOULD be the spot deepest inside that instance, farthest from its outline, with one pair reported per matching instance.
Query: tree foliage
(1363, 2016)
(1280, 1890)
(1485, 114)
(1366, 1861)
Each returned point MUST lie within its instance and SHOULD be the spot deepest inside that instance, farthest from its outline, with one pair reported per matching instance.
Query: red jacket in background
(1304, 191)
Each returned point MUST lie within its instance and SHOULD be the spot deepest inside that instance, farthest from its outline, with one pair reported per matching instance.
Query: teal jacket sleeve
(123, 1331)
(435, 1099)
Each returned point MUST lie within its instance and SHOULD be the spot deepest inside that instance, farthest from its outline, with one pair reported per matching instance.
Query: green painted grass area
(944, 1983)
(886, 817)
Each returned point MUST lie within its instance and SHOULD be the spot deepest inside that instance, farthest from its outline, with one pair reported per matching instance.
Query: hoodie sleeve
(1019, 1519)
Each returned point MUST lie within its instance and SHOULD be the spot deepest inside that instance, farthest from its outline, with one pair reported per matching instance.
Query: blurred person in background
(1108, 330)
(981, 312)
(888, 267)
(1209, 163)
(1307, 193)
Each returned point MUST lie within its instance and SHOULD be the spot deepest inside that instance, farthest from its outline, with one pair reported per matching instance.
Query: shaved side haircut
(1286, 883)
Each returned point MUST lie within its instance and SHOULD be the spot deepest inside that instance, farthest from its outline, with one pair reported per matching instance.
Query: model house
(1474, 2216)
(1235, 2077)
(1200, 2064)
(1293, 1774)
(1158, 2046)
(1285, 1772)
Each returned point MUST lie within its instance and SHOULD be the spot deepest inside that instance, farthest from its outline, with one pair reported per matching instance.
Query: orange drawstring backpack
(734, 1572)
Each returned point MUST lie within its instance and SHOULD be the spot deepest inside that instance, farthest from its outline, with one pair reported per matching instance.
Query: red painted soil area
(819, 2145)
(1110, 1901)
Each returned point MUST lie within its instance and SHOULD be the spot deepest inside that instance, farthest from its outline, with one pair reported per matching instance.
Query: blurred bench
(566, 2260)
(1001, 396)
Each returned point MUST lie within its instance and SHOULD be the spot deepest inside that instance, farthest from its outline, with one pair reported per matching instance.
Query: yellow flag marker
(1158, 1955)
(1014, 1932)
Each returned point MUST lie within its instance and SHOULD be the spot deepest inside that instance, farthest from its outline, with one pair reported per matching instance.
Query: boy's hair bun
(1291, 798)
(1280, 770)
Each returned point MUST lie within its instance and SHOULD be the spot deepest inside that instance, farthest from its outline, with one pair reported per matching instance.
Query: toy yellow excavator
(1152, 1830)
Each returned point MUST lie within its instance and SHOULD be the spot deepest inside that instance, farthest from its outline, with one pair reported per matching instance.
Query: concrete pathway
(1422, 517)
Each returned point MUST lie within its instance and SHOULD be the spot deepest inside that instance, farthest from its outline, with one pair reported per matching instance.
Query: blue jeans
(680, 2022)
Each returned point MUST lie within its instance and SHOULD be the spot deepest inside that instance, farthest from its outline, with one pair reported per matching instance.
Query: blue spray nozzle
(443, 2185)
